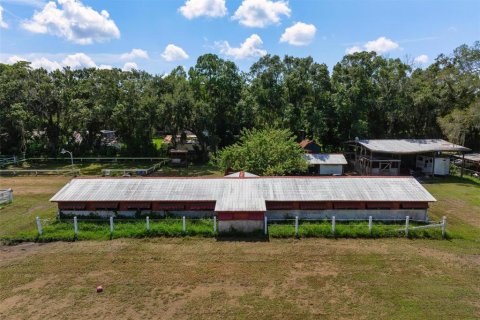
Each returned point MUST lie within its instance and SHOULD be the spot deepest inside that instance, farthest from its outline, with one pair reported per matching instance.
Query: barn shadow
(248, 237)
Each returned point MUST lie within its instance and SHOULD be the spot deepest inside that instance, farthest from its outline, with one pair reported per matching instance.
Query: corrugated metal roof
(471, 156)
(248, 194)
(325, 158)
(405, 146)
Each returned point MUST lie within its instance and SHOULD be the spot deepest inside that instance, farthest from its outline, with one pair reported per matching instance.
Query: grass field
(207, 278)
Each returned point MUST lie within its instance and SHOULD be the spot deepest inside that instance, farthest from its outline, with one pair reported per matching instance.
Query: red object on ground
(99, 289)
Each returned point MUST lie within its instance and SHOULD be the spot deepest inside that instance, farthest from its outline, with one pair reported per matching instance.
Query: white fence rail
(37, 172)
(134, 171)
(6, 196)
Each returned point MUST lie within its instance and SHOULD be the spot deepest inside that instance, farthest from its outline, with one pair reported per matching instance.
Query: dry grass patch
(205, 279)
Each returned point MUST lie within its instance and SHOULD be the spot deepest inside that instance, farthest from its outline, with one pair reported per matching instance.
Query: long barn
(242, 202)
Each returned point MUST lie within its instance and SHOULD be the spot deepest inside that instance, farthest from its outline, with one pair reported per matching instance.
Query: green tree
(264, 152)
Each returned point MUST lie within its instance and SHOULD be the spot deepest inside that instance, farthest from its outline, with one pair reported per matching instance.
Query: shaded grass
(350, 230)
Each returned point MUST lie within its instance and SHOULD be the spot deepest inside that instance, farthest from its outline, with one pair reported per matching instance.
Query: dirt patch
(33, 185)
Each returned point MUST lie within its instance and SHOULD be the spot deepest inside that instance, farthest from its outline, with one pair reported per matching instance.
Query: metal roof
(325, 158)
(247, 194)
(405, 146)
(471, 156)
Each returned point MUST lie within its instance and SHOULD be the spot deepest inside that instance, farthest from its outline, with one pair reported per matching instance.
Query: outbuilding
(325, 163)
(241, 203)
(392, 156)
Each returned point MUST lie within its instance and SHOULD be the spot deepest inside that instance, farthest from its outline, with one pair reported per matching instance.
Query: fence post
(10, 195)
(214, 224)
(296, 226)
(75, 225)
(265, 225)
(111, 225)
(333, 225)
(184, 225)
(407, 222)
(370, 224)
(39, 226)
(444, 226)
(148, 223)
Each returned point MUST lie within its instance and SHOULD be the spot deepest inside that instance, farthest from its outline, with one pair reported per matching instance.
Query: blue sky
(175, 32)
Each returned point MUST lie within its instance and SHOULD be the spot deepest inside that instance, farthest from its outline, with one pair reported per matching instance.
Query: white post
(184, 225)
(296, 225)
(214, 224)
(370, 224)
(444, 226)
(39, 226)
(148, 223)
(10, 195)
(75, 225)
(407, 221)
(333, 224)
(111, 224)
(265, 225)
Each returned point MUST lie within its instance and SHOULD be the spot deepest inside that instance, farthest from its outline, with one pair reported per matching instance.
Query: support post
(407, 222)
(184, 225)
(370, 224)
(265, 225)
(111, 225)
(75, 225)
(39, 226)
(214, 224)
(444, 226)
(333, 225)
(296, 226)
(463, 164)
(433, 164)
(148, 223)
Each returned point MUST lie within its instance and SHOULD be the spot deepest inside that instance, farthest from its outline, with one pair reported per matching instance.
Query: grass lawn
(190, 171)
(207, 278)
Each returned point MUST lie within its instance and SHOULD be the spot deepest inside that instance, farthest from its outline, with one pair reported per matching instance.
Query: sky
(158, 35)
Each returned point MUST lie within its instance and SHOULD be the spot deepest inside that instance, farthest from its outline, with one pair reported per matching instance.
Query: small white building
(325, 163)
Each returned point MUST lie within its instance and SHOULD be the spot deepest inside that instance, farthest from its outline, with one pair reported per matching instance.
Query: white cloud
(129, 66)
(380, 45)
(15, 59)
(73, 21)
(135, 53)
(209, 8)
(300, 34)
(3, 24)
(45, 64)
(422, 59)
(353, 49)
(78, 61)
(173, 53)
(249, 48)
(105, 67)
(260, 13)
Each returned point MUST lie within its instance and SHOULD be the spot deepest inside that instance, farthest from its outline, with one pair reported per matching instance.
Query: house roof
(304, 143)
(247, 194)
(408, 146)
(325, 158)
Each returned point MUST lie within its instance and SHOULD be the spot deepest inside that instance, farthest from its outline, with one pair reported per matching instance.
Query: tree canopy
(365, 95)
(264, 152)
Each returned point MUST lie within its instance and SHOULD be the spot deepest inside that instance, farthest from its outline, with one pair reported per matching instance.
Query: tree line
(366, 95)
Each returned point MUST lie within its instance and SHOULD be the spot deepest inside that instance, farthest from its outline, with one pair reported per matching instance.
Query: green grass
(193, 170)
